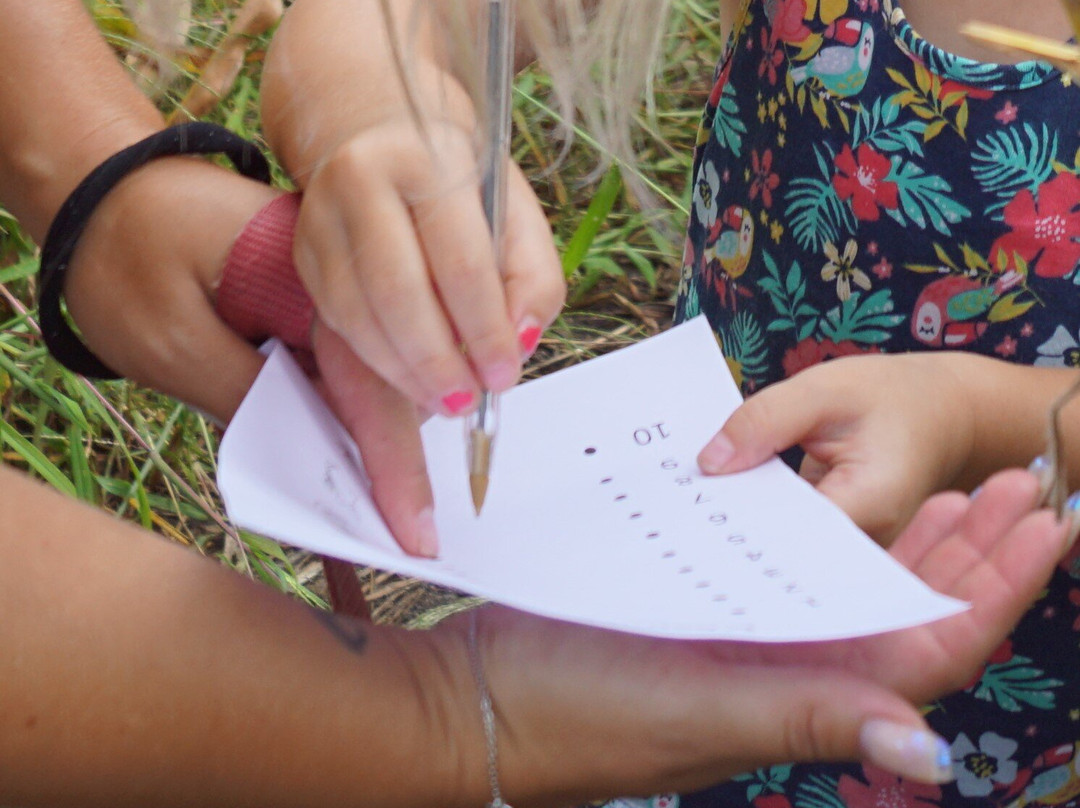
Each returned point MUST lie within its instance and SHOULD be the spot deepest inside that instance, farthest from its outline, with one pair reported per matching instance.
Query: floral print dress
(859, 190)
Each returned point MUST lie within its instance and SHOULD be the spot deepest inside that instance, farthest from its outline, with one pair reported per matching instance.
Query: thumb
(765, 424)
(879, 503)
(827, 715)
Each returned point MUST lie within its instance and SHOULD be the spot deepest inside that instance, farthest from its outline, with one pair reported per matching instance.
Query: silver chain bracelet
(487, 715)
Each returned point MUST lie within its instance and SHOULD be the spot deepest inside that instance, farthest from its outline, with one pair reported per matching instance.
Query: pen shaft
(498, 77)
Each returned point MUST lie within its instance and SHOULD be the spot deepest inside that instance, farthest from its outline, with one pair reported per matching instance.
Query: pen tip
(478, 485)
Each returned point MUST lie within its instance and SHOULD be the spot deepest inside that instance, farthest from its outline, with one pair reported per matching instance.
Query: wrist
(303, 129)
(448, 724)
(260, 293)
(40, 173)
(1006, 406)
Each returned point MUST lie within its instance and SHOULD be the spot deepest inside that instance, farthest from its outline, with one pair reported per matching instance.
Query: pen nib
(478, 485)
(479, 467)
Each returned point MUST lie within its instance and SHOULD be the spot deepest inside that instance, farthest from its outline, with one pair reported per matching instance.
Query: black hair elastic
(66, 229)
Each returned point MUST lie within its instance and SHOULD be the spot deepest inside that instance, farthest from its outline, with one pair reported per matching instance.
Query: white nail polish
(1040, 467)
(910, 752)
(1072, 516)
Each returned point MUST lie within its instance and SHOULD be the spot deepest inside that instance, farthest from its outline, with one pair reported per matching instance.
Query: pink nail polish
(528, 339)
(457, 402)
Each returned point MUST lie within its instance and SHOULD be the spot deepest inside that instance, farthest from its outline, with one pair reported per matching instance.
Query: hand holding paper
(601, 516)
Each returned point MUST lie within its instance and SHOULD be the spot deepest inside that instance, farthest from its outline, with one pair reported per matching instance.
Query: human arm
(140, 283)
(136, 673)
(881, 433)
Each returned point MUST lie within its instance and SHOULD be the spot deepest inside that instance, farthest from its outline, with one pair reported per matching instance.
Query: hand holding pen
(394, 246)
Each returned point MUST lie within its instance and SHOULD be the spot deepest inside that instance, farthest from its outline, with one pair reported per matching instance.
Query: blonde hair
(601, 56)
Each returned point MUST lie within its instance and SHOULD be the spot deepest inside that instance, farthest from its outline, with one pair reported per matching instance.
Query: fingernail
(1072, 514)
(974, 494)
(457, 402)
(501, 375)
(907, 751)
(428, 536)
(716, 454)
(529, 336)
(1040, 467)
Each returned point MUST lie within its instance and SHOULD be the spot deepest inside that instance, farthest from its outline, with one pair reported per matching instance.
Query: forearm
(67, 106)
(331, 72)
(138, 674)
(1009, 405)
(314, 98)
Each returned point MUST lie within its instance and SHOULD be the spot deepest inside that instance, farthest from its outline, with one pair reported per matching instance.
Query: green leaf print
(692, 306)
(788, 298)
(924, 198)
(765, 780)
(727, 125)
(1013, 684)
(876, 126)
(1006, 162)
(818, 791)
(815, 213)
(868, 321)
(745, 344)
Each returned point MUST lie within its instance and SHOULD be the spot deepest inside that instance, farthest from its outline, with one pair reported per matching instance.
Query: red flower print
(872, 248)
(868, 5)
(771, 57)
(718, 88)
(1043, 228)
(1006, 348)
(885, 789)
(787, 22)
(1003, 653)
(883, 269)
(861, 178)
(950, 87)
(764, 181)
(1007, 114)
(1026, 330)
(809, 352)
(771, 801)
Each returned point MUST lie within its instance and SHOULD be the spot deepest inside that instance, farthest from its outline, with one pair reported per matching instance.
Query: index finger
(386, 428)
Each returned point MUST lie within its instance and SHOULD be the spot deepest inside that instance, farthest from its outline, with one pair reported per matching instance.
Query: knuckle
(438, 369)
(389, 291)
(753, 418)
(806, 734)
(464, 271)
(491, 344)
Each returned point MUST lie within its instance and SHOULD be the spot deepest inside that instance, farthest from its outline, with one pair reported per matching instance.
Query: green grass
(148, 459)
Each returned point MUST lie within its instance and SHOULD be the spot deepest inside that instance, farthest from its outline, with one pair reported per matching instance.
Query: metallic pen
(498, 77)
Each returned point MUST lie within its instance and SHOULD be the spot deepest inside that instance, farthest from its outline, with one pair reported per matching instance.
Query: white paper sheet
(596, 511)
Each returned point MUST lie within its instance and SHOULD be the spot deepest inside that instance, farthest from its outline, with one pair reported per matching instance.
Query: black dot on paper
(636, 515)
(702, 584)
(668, 554)
(686, 570)
(606, 480)
(719, 598)
(591, 450)
(620, 497)
(653, 535)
